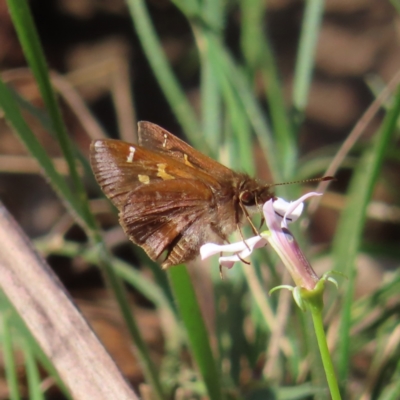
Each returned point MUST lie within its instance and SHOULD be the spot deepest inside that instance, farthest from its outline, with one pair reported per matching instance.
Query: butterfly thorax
(236, 200)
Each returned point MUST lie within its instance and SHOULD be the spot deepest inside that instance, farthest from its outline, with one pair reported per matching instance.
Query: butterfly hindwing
(158, 215)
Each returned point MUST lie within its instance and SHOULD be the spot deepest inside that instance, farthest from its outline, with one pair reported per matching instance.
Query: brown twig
(61, 331)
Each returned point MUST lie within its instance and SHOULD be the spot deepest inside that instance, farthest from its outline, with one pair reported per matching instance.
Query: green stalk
(192, 318)
(314, 301)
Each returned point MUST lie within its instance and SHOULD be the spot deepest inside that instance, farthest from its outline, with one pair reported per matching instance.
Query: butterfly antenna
(322, 179)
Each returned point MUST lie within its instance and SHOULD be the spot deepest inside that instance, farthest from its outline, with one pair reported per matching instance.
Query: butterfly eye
(247, 198)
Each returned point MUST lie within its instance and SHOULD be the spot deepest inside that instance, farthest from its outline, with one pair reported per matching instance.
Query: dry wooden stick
(64, 335)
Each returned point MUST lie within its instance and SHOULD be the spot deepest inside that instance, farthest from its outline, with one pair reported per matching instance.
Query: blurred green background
(274, 88)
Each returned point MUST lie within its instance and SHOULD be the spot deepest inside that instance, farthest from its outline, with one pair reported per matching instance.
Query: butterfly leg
(243, 261)
(221, 275)
(261, 222)
(241, 235)
(246, 213)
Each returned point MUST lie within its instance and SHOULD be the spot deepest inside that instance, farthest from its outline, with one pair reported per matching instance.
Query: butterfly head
(254, 194)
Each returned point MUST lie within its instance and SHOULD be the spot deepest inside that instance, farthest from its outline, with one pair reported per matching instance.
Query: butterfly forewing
(155, 138)
(120, 167)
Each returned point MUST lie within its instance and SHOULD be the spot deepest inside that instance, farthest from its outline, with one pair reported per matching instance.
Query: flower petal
(209, 249)
(286, 246)
(228, 261)
(281, 208)
(295, 208)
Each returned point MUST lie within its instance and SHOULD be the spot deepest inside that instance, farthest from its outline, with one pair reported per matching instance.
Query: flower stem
(313, 299)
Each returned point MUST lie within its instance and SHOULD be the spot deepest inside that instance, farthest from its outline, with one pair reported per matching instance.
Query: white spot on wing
(131, 154)
(165, 140)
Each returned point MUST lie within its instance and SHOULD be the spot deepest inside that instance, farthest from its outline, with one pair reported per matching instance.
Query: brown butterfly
(170, 196)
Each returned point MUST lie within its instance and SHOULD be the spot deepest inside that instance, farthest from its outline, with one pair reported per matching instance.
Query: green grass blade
(259, 56)
(162, 71)
(12, 113)
(392, 389)
(43, 119)
(32, 374)
(27, 34)
(252, 20)
(211, 103)
(135, 278)
(207, 18)
(214, 12)
(151, 291)
(257, 120)
(285, 140)
(149, 370)
(191, 8)
(351, 224)
(305, 60)
(255, 114)
(238, 123)
(198, 336)
(9, 361)
(21, 331)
